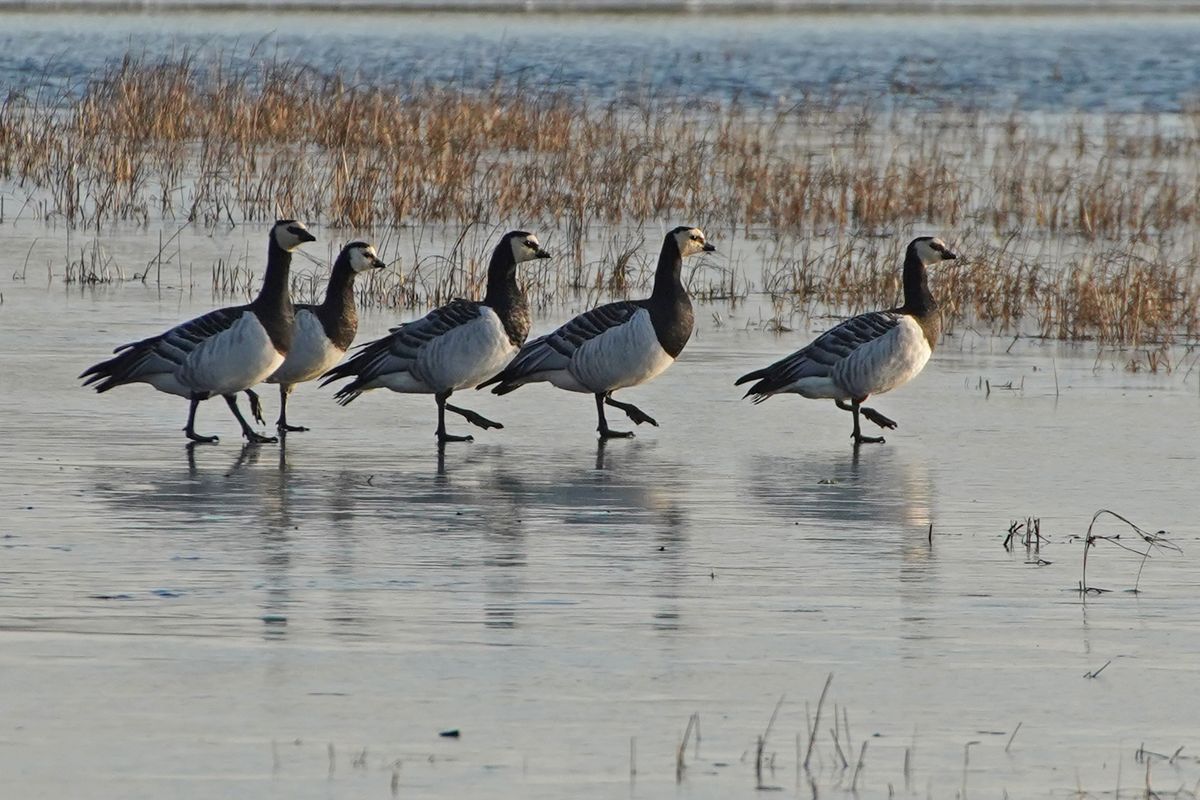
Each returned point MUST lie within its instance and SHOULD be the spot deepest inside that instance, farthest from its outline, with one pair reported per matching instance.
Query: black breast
(340, 325)
(516, 319)
(278, 324)
(673, 322)
(931, 326)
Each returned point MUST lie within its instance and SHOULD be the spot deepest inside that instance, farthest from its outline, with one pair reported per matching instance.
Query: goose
(616, 345)
(868, 354)
(321, 334)
(452, 347)
(221, 353)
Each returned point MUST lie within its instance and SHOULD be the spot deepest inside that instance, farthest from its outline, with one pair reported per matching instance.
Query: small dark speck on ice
(274, 619)
(450, 734)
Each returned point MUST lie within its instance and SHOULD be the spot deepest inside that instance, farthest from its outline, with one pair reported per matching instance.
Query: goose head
(525, 246)
(289, 234)
(362, 257)
(690, 241)
(930, 250)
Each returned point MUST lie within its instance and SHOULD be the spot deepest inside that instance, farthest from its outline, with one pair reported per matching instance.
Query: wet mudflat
(303, 621)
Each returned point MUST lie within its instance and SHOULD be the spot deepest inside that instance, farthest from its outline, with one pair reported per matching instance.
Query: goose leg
(256, 409)
(281, 424)
(604, 430)
(854, 407)
(442, 436)
(633, 412)
(478, 420)
(251, 435)
(190, 430)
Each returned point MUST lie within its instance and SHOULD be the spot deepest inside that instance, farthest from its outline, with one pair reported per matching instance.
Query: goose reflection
(226, 508)
(479, 509)
(864, 493)
(877, 504)
(318, 521)
(629, 496)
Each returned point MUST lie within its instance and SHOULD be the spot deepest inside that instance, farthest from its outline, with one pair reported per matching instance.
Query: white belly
(817, 388)
(231, 361)
(461, 358)
(879, 366)
(168, 382)
(311, 353)
(626, 355)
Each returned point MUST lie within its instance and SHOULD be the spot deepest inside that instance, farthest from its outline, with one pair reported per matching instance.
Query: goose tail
(502, 383)
(761, 390)
(116, 371)
(751, 376)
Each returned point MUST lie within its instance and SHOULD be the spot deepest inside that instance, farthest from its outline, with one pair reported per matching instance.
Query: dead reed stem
(1077, 227)
(812, 734)
(1153, 541)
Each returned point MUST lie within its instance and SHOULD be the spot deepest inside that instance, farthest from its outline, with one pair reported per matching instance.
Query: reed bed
(1073, 226)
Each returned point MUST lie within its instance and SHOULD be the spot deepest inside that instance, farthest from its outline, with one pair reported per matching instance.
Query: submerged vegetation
(1073, 227)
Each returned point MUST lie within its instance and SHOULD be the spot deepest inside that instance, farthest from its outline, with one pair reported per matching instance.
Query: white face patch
(290, 235)
(690, 242)
(525, 248)
(931, 251)
(363, 258)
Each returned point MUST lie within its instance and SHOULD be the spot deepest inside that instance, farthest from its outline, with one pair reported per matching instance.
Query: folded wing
(160, 360)
(405, 350)
(554, 351)
(813, 370)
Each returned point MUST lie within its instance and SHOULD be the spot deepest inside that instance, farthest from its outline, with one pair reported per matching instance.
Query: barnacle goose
(617, 345)
(221, 353)
(321, 334)
(452, 347)
(868, 354)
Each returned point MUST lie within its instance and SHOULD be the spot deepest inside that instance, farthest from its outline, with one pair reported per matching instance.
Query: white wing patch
(625, 355)
(232, 360)
(311, 353)
(883, 363)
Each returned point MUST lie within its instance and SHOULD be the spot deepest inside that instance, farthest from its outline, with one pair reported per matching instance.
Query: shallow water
(191, 623)
(1052, 63)
(303, 621)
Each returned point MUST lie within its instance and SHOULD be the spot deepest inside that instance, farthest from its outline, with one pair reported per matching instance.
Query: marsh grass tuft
(1076, 227)
(1153, 541)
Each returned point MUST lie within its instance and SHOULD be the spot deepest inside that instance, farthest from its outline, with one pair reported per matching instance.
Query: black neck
(273, 306)
(274, 293)
(505, 297)
(339, 295)
(502, 286)
(917, 299)
(668, 277)
(669, 305)
(337, 314)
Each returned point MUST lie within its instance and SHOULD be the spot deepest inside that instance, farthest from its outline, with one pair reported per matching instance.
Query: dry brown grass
(1072, 227)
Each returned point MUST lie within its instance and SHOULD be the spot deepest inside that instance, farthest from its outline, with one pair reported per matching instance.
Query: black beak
(305, 236)
(948, 256)
(709, 248)
(542, 253)
(378, 264)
